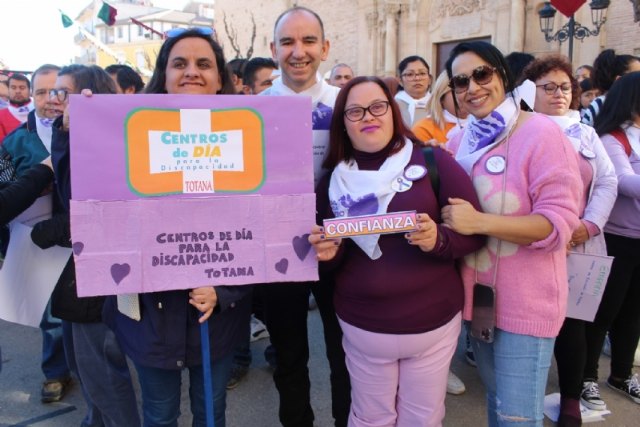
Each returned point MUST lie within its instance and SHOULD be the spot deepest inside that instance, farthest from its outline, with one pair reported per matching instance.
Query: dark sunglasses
(175, 32)
(481, 75)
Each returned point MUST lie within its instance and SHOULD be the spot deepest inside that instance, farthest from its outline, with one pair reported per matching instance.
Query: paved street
(252, 404)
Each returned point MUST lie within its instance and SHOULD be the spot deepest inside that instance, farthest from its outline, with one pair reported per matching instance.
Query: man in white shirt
(299, 47)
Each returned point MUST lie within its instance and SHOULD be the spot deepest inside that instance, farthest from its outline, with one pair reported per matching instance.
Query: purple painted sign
(175, 192)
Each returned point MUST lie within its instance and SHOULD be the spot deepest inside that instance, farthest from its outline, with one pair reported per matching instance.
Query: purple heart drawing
(301, 246)
(282, 266)
(77, 248)
(119, 272)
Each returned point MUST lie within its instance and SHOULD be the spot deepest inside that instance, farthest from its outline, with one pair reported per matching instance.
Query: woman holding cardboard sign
(398, 295)
(166, 338)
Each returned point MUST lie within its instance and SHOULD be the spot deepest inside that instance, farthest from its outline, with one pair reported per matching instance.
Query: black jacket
(65, 303)
(18, 195)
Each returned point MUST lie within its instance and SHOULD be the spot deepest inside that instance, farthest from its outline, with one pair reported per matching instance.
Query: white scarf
(21, 113)
(354, 192)
(633, 133)
(471, 146)
(478, 131)
(323, 98)
(44, 130)
(459, 124)
(412, 103)
(570, 125)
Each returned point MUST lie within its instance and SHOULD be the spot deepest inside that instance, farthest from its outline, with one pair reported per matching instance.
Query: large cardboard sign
(177, 191)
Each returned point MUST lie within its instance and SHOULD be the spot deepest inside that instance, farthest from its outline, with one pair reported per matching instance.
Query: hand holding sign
(205, 300)
(326, 249)
(427, 234)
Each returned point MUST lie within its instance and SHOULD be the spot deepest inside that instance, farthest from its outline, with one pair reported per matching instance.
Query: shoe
(468, 354)
(54, 390)
(629, 387)
(606, 348)
(258, 330)
(237, 374)
(590, 396)
(455, 385)
(312, 303)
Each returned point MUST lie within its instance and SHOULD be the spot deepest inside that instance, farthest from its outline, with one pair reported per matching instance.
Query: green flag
(66, 21)
(108, 14)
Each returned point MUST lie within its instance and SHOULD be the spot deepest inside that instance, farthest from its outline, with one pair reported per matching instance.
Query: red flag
(568, 7)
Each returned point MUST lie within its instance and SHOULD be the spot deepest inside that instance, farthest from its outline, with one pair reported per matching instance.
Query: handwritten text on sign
(176, 191)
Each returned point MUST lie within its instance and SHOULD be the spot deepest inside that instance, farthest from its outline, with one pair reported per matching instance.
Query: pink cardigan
(542, 178)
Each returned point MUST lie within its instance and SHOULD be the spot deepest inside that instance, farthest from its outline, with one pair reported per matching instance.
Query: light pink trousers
(399, 380)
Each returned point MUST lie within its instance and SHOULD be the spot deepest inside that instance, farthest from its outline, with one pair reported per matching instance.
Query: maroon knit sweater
(406, 290)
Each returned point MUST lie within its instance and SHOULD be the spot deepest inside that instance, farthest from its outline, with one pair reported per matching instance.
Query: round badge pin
(587, 154)
(495, 165)
(401, 184)
(415, 172)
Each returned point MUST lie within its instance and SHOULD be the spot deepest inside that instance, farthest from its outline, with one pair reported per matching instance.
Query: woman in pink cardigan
(526, 175)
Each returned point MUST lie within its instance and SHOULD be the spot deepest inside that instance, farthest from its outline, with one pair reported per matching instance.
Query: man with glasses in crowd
(29, 145)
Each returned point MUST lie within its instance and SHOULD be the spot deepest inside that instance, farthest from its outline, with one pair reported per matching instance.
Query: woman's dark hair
(126, 77)
(542, 66)
(608, 66)
(586, 85)
(621, 104)
(517, 62)
(159, 79)
(408, 60)
(89, 77)
(489, 54)
(340, 147)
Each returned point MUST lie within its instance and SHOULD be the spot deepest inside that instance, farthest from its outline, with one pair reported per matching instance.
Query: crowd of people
(501, 184)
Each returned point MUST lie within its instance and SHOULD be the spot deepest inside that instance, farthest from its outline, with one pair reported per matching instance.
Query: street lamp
(572, 29)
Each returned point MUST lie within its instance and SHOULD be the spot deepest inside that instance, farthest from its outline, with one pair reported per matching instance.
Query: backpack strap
(622, 139)
(432, 170)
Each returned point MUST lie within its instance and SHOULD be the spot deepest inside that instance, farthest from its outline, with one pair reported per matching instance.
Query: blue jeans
(161, 393)
(514, 371)
(95, 357)
(54, 363)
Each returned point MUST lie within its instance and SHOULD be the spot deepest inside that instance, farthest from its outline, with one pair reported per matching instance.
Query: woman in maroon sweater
(398, 296)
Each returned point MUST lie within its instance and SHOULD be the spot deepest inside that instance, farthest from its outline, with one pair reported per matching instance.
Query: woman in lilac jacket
(618, 124)
(557, 98)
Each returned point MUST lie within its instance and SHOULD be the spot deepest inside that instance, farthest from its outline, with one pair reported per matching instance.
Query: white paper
(552, 410)
(587, 279)
(28, 276)
(39, 211)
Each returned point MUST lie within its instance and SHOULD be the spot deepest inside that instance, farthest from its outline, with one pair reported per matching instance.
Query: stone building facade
(374, 35)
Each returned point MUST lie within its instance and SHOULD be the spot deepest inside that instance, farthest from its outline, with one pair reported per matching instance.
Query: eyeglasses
(60, 94)
(175, 32)
(414, 76)
(481, 75)
(551, 88)
(376, 109)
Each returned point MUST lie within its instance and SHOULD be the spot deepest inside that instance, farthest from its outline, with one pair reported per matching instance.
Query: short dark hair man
(340, 75)
(127, 80)
(19, 104)
(258, 75)
(299, 47)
